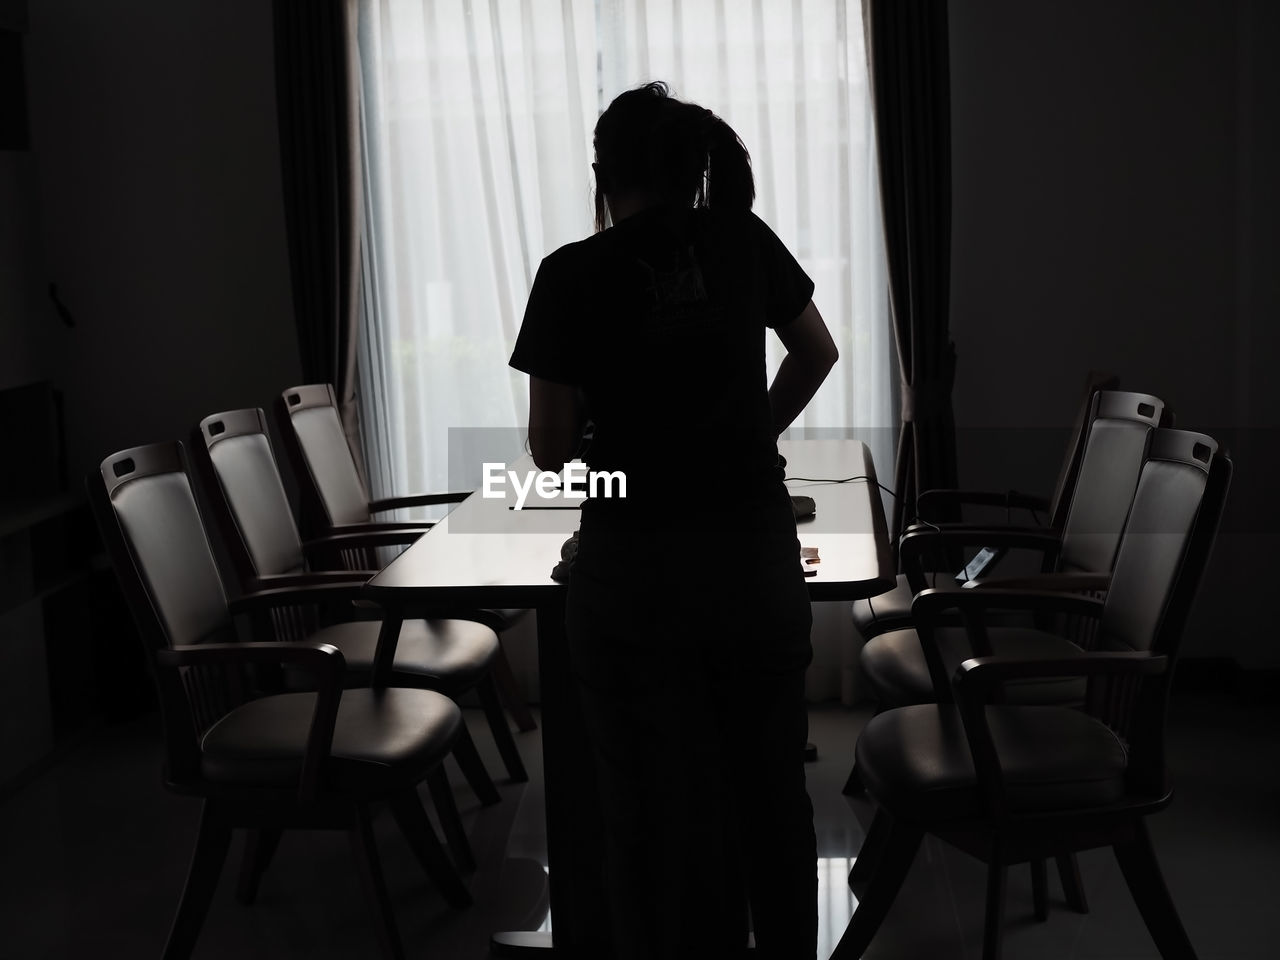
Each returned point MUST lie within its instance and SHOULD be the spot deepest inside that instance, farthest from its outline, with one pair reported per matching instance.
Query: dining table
(486, 553)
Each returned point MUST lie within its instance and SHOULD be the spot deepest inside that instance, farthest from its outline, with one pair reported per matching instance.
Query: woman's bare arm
(555, 423)
(811, 353)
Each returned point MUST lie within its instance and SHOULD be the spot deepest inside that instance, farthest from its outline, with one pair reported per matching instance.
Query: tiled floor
(93, 854)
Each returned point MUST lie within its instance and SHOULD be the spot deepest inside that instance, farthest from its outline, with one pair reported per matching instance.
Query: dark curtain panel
(910, 75)
(322, 191)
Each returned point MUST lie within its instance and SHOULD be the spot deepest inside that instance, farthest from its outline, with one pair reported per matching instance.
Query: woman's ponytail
(680, 152)
(730, 183)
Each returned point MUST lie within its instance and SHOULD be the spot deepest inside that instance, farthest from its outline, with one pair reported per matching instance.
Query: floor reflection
(836, 902)
(75, 889)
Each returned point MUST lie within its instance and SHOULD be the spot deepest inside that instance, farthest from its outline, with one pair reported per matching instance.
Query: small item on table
(809, 561)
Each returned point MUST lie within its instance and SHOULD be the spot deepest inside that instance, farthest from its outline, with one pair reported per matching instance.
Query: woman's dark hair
(683, 154)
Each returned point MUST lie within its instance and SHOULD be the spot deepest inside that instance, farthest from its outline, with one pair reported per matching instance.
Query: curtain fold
(910, 73)
(319, 144)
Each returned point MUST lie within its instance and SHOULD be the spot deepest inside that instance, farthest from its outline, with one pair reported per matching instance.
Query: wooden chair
(335, 499)
(1080, 551)
(892, 610)
(266, 763)
(1012, 783)
(250, 511)
(1080, 555)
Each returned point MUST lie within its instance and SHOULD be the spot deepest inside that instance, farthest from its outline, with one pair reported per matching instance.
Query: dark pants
(691, 673)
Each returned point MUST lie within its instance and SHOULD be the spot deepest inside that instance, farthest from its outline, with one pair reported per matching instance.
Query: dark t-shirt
(661, 321)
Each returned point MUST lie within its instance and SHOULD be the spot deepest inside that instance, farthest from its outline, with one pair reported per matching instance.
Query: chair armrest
(309, 578)
(416, 500)
(327, 552)
(299, 594)
(362, 539)
(938, 500)
(323, 660)
(359, 539)
(978, 679)
(922, 537)
(973, 604)
(1046, 582)
(381, 526)
(917, 543)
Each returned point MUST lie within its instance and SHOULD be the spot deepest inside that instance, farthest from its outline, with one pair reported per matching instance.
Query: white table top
(484, 553)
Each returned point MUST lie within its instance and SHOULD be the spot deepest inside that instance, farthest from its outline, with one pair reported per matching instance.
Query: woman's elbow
(543, 458)
(549, 452)
(821, 357)
(549, 464)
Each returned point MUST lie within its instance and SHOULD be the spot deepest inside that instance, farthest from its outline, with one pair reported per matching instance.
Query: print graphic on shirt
(678, 302)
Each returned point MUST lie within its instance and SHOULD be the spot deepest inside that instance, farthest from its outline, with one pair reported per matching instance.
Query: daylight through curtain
(476, 122)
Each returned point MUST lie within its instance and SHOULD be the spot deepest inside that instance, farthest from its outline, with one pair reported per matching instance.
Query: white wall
(1115, 208)
(156, 153)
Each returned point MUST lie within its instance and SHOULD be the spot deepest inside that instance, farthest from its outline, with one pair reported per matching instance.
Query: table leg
(579, 908)
(385, 652)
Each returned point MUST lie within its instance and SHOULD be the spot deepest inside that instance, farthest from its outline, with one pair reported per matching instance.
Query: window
(477, 120)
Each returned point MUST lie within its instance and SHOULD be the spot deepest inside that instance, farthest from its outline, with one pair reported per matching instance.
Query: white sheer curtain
(477, 119)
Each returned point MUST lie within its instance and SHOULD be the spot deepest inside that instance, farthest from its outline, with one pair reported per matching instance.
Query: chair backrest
(1114, 449)
(1069, 472)
(1166, 543)
(329, 482)
(247, 502)
(1177, 510)
(152, 529)
(145, 506)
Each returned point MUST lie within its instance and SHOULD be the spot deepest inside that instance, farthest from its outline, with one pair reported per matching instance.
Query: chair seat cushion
(891, 610)
(506, 616)
(382, 739)
(510, 613)
(915, 761)
(894, 665)
(444, 654)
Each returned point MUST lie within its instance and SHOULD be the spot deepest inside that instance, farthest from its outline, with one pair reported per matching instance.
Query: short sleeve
(788, 287)
(547, 345)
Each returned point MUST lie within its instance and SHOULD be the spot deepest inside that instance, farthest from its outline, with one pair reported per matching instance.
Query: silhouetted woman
(688, 618)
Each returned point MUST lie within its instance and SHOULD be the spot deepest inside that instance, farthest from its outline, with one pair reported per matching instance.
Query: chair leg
(993, 924)
(406, 807)
(506, 743)
(468, 757)
(450, 821)
(1146, 884)
(202, 879)
(259, 847)
(872, 849)
(1040, 889)
(375, 887)
(1072, 885)
(900, 846)
(512, 695)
